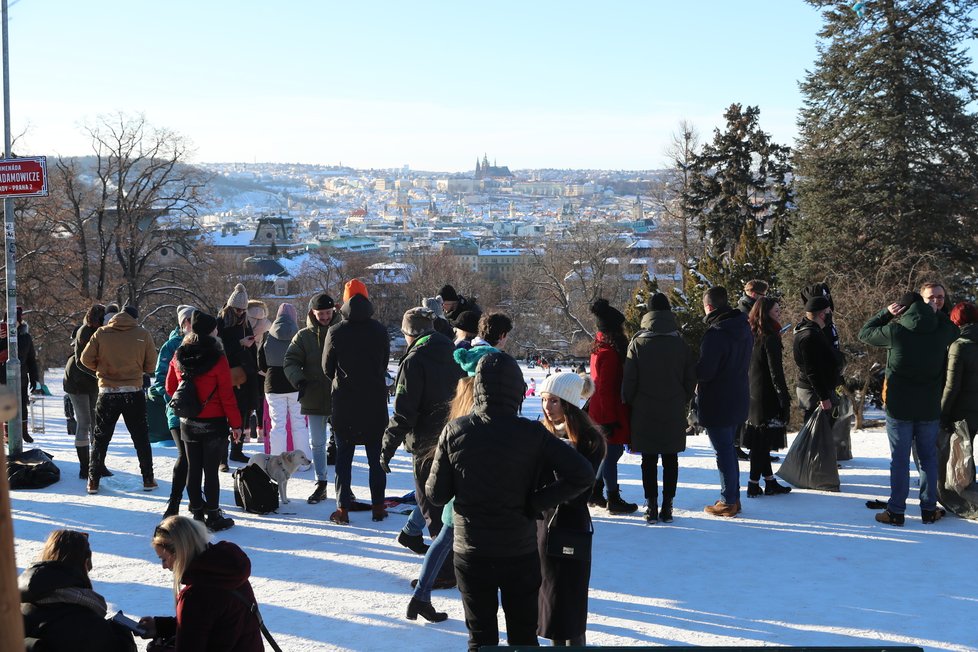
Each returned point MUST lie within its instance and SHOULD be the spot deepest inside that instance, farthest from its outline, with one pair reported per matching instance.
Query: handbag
(568, 542)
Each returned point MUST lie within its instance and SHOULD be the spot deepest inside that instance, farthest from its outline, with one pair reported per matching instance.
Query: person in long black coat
(61, 610)
(355, 358)
(770, 402)
(564, 585)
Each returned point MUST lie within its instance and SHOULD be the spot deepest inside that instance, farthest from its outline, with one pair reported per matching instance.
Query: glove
(302, 388)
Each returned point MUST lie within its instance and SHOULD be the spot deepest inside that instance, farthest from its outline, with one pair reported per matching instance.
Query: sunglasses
(161, 532)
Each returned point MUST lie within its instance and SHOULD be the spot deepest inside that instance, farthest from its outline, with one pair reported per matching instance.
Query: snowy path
(805, 569)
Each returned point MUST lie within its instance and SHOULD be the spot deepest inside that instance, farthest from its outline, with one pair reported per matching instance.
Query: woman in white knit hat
(564, 589)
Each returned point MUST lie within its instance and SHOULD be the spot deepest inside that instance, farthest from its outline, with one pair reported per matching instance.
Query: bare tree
(670, 195)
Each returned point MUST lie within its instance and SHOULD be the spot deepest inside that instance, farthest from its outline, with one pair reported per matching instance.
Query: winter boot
(929, 516)
(772, 488)
(149, 484)
(83, 461)
(198, 514)
(217, 521)
(597, 498)
(319, 493)
(172, 506)
(92, 487)
(425, 610)
(413, 542)
(618, 506)
(665, 513)
(721, 508)
(341, 516)
(754, 489)
(651, 514)
(888, 517)
(237, 453)
(379, 513)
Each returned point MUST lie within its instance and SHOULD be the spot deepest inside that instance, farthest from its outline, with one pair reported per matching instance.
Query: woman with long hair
(564, 589)
(960, 398)
(770, 402)
(61, 610)
(81, 386)
(214, 598)
(201, 358)
(607, 409)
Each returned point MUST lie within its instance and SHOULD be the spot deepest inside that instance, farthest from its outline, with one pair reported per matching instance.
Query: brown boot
(379, 513)
(721, 508)
(341, 516)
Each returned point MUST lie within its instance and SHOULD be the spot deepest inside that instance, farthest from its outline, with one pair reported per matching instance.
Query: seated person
(61, 610)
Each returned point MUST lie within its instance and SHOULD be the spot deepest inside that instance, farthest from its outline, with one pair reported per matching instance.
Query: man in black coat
(819, 362)
(455, 304)
(489, 462)
(355, 358)
(425, 385)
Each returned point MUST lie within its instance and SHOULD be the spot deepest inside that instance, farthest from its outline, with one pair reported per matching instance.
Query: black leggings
(203, 460)
(670, 476)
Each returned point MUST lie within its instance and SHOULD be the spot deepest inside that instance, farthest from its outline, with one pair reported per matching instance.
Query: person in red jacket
(202, 358)
(215, 601)
(606, 407)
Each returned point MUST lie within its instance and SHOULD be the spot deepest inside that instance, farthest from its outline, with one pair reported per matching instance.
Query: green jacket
(917, 344)
(960, 400)
(304, 364)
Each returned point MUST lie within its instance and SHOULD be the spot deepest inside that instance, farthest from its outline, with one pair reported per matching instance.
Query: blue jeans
(433, 560)
(902, 435)
(608, 470)
(344, 472)
(415, 523)
(722, 438)
(317, 442)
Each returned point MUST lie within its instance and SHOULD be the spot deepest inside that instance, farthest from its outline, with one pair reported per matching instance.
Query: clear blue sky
(563, 84)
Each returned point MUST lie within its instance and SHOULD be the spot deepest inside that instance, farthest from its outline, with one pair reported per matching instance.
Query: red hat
(354, 287)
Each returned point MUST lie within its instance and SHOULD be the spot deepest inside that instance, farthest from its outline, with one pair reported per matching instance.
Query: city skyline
(430, 85)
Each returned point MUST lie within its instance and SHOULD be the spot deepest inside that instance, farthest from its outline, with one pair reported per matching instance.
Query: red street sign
(24, 177)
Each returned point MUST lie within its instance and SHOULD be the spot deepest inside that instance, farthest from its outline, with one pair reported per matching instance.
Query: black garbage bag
(810, 462)
(32, 469)
(956, 486)
(842, 427)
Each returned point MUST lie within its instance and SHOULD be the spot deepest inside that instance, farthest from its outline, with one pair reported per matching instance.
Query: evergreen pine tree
(741, 197)
(887, 160)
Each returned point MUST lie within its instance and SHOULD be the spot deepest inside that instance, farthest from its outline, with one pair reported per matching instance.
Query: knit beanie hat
(608, 318)
(909, 299)
(238, 298)
(417, 322)
(659, 302)
(468, 321)
(569, 386)
(202, 323)
(184, 312)
(816, 304)
(448, 293)
(435, 305)
(288, 310)
(354, 287)
(321, 301)
(131, 311)
(468, 359)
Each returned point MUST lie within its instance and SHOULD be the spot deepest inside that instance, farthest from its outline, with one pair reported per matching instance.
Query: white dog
(280, 468)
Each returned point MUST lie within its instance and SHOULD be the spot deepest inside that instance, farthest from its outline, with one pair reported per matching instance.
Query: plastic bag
(956, 488)
(810, 462)
(841, 428)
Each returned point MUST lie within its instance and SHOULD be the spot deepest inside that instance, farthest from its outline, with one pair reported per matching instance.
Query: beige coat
(120, 353)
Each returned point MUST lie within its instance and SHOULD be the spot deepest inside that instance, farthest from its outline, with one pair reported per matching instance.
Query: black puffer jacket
(819, 363)
(75, 619)
(491, 462)
(355, 358)
(425, 386)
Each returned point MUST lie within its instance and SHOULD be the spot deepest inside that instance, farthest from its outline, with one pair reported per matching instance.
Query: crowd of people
(505, 500)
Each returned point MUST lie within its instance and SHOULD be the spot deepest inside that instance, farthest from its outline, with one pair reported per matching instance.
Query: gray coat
(660, 375)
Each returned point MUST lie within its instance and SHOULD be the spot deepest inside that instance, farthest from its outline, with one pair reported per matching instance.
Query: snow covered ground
(810, 568)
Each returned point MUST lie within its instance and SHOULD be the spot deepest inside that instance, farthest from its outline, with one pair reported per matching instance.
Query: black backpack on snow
(184, 401)
(254, 491)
